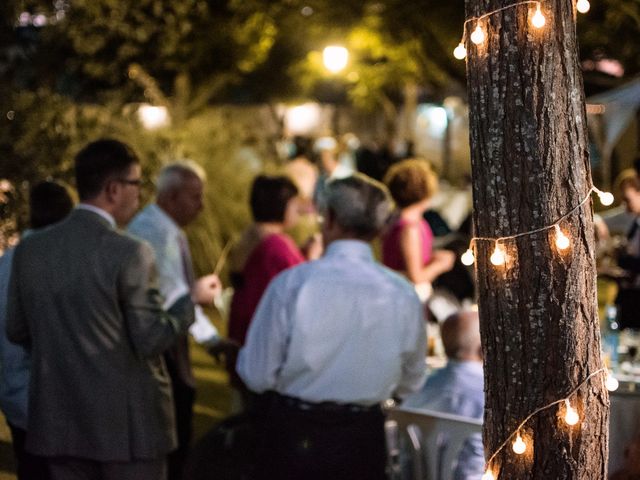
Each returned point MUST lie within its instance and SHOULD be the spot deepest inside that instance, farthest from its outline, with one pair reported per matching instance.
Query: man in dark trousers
(179, 200)
(332, 339)
(83, 298)
(49, 203)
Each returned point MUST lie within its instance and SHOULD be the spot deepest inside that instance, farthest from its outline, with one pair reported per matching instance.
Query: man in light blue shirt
(332, 339)
(49, 203)
(179, 200)
(458, 388)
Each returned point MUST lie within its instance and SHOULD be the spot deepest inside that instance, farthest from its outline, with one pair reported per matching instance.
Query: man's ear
(111, 189)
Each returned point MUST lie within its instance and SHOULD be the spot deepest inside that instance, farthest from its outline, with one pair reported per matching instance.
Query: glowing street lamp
(153, 117)
(335, 58)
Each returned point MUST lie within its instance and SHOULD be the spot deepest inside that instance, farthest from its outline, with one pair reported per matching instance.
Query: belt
(325, 407)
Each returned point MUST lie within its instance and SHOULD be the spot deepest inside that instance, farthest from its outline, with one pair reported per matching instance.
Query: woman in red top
(264, 249)
(408, 245)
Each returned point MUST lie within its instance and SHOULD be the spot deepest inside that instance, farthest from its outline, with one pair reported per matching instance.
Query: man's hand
(206, 289)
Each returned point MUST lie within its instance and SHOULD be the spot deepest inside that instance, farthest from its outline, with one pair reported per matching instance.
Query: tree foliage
(80, 74)
(611, 30)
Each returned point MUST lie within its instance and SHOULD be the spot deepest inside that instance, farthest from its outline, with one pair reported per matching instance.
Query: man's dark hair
(49, 202)
(269, 197)
(99, 162)
(636, 165)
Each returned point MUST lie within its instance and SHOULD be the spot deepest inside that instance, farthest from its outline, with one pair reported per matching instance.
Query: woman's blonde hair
(411, 181)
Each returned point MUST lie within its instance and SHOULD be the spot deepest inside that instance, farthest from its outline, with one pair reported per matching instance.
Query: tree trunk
(539, 320)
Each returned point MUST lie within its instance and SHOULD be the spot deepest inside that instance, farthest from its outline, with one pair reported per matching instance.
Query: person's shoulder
(35, 239)
(5, 260)
(293, 277)
(144, 222)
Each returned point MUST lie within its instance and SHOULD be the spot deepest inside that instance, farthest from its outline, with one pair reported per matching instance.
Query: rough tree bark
(538, 313)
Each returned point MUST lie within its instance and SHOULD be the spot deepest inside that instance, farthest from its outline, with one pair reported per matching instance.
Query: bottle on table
(611, 336)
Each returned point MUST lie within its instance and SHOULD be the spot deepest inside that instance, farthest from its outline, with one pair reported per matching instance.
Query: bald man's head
(461, 336)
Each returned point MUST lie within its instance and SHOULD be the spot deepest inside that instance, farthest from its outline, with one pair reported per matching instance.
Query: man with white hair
(458, 388)
(332, 339)
(179, 199)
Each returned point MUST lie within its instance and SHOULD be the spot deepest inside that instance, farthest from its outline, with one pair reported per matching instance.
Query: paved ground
(212, 405)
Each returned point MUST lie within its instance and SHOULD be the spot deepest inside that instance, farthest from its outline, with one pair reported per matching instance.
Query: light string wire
(492, 12)
(484, 15)
(541, 229)
(535, 412)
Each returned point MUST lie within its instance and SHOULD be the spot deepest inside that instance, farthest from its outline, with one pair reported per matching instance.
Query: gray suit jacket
(83, 298)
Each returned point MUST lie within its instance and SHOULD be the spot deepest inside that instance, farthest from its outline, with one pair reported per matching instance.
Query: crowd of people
(98, 300)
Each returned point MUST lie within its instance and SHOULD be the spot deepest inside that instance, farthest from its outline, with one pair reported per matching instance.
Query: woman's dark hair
(49, 202)
(269, 197)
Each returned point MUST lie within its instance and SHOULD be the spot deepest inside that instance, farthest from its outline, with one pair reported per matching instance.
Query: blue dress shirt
(153, 225)
(14, 359)
(458, 388)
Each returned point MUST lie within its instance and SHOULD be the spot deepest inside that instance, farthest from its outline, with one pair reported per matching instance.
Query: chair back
(434, 441)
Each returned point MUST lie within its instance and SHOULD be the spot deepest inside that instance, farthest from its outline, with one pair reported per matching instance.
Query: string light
(460, 51)
(538, 19)
(519, 447)
(583, 6)
(606, 198)
(477, 36)
(571, 417)
(468, 258)
(611, 383)
(562, 241)
(488, 475)
(498, 257)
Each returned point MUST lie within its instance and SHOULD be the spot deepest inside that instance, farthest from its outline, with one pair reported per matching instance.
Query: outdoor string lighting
(571, 417)
(583, 6)
(519, 444)
(499, 255)
(611, 382)
(478, 35)
(519, 447)
(562, 241)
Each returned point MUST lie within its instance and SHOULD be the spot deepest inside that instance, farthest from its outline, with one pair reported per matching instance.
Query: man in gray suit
(83, 298)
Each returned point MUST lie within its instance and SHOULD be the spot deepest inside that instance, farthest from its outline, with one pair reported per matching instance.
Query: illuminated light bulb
(519, 446)
(488, 475)
(498, 257)
(468, 258)
(477, 36)
(570, 416)
(611, 383)
(583, 6)
(606, 198)
(538, 19)
(460, 52)
(562, 241)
